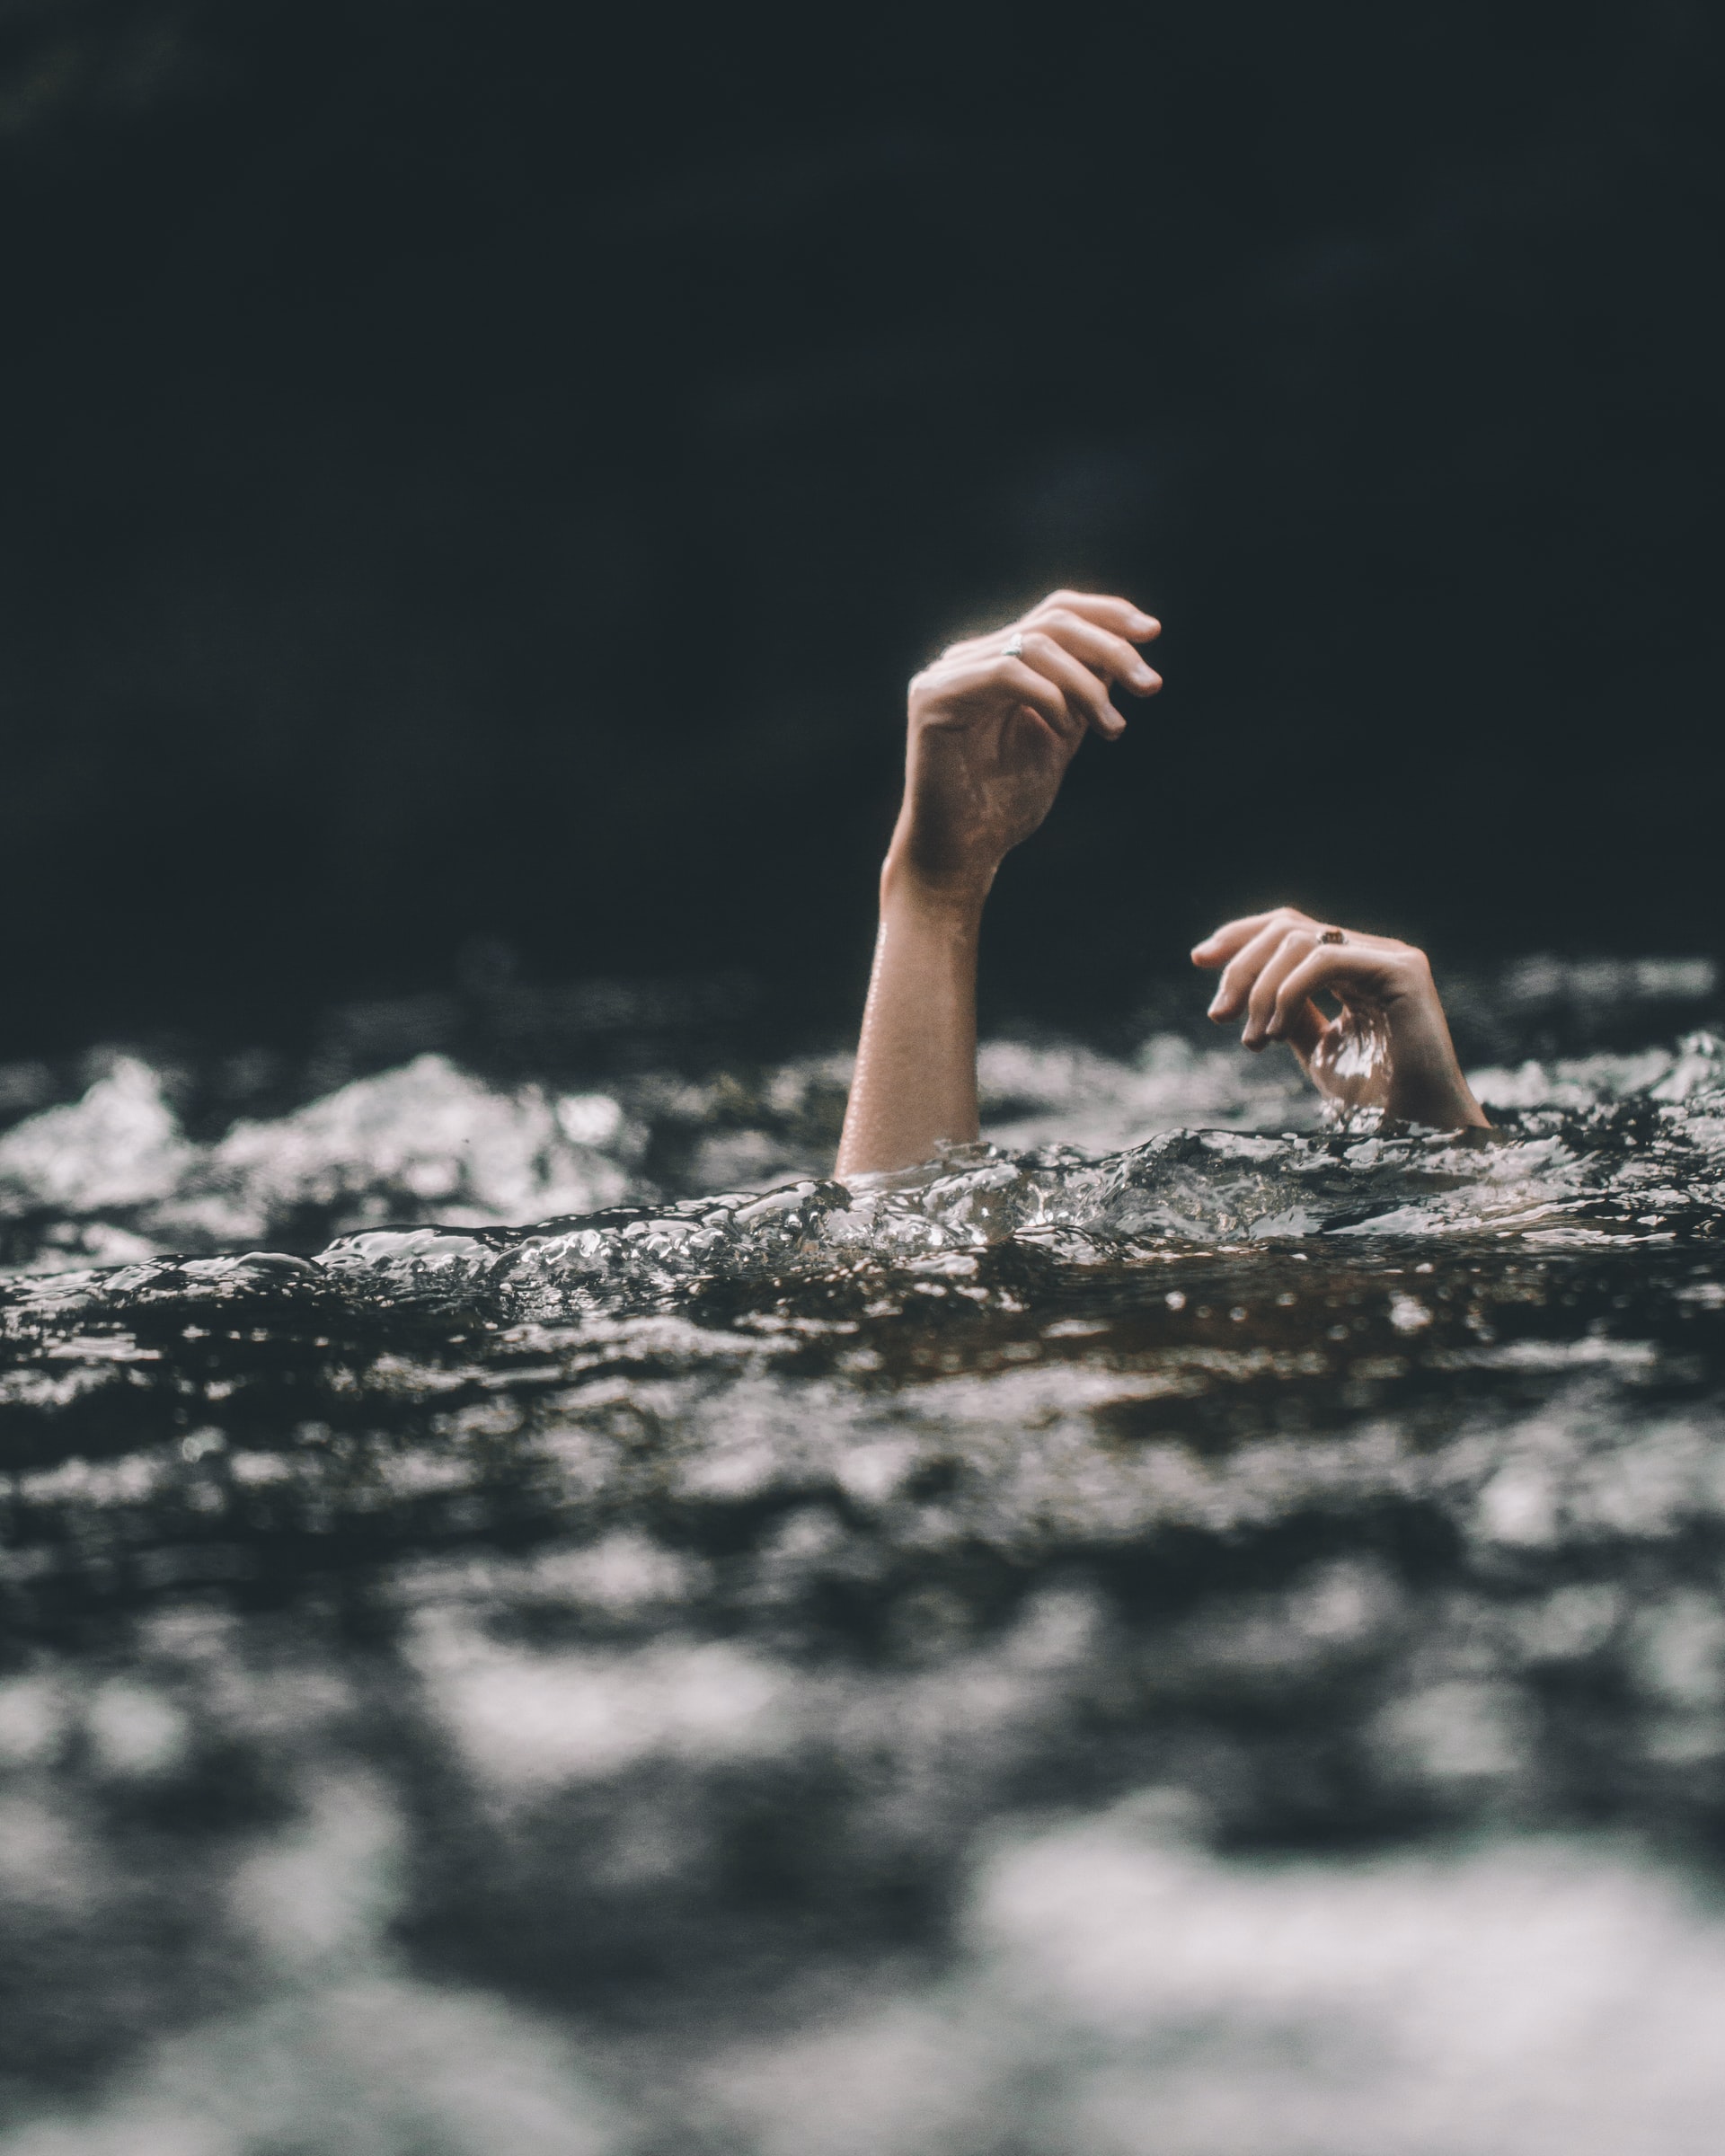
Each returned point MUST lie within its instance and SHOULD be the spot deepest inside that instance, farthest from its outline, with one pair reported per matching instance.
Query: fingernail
(1215, 1010)
(1151, 624)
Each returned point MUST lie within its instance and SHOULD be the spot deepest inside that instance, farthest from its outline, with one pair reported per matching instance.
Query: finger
(956, 693)
(1098, 649)
(1220, 945)
(1084, 691)
(1233, 936)
(1337, 966)
(1107, 612)
(1296, 945)
(1117, 617)
(1044, 697)
(1244, 968)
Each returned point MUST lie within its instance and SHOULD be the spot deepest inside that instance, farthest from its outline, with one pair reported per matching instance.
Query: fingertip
(1148, 626)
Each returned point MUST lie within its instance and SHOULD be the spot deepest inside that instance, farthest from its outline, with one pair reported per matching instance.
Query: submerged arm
(915, 1083)
(993, 725)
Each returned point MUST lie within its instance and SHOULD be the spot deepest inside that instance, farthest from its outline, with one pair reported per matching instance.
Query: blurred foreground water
(1165, 1637)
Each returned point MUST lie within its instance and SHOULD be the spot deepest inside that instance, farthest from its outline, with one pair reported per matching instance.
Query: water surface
(1184, 1630)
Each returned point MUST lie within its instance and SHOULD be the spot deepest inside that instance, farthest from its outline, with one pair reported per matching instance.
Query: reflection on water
(1163, 1637)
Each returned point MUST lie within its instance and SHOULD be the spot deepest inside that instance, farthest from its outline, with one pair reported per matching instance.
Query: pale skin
(1387, 1046)
(994, 724)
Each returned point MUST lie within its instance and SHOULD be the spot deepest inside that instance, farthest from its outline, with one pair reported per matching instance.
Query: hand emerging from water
(1389, 1045)
(995, 722)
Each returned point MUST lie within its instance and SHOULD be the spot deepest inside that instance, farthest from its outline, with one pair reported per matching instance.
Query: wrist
(907, 886)
(1428, 1084)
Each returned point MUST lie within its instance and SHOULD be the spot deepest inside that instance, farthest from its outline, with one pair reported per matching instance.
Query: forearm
(991, 727)
(915, 1083)
(1428, 1085)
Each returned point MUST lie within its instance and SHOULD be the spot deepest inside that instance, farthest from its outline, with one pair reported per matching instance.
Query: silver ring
(1332, 935)
(1013, 648)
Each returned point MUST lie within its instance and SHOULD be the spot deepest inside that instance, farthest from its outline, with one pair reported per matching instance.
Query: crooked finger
(1045, 698)
(1243, 969)
(1085, 692)
(1294, 947)
(1337, 967)
(1232, 937)
(1117, 617)
(1106, 611)
(1112, 657)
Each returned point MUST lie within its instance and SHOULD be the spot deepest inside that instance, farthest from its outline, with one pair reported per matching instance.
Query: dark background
(479, 475)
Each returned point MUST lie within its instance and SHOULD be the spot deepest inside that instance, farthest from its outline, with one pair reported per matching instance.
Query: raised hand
(1387, 1047)
(994, 724)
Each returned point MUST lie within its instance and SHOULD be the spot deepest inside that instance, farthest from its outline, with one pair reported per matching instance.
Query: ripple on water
(1161, 1634)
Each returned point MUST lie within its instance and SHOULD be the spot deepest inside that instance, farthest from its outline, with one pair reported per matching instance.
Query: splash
(533, 1616)
(1602, 1148)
